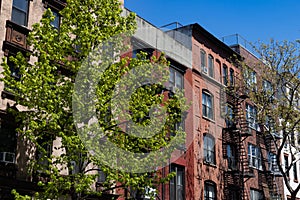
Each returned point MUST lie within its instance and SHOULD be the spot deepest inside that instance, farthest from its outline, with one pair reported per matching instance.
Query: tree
(55, 94)
(276, 97)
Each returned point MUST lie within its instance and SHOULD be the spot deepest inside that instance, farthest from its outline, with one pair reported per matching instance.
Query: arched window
(231, 77)
(225, 74)
(209, 190)
(210, 65)
(209, 149)
(203, 61)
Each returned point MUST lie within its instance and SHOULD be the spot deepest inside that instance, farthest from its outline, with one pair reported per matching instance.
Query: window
(20, 12)
(231, 156)
(8, 141)
(178, 126)
(209, 148)
(43, 155)
(292, 139)
(146, 52)
(225, 75)
(267, 86)
(272, 162)
(209, 190)
(254, 156)
(229, 118)
(270, 125)
(13, 68)
(219, 70)
(176, 79)
(256, 195)
(177, 183)
(295, 171)
(207, 105)
(210, 66)
(286, 165)
(250, 76)
(56, 22)
(234, 193)
(231, 77)
(251, 116)
(101, 176)
(203, 61)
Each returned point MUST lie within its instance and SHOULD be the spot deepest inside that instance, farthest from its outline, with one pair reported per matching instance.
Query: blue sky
(253, 19)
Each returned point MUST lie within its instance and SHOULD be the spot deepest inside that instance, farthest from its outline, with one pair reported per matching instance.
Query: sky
(254, 20)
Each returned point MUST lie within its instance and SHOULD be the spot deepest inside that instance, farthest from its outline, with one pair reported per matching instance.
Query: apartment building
(233, 158)
(17, 18)
(226, 156)
(211, 58)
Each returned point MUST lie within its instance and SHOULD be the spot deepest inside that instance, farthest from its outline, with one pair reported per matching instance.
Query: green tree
(49, 89)
(275, 94)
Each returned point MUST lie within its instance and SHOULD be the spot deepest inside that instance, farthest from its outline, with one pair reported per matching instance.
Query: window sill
(210, 164)
(208, 119)
(259, 169)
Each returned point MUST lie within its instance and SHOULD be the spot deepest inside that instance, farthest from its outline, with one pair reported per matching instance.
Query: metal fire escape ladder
(272, 171)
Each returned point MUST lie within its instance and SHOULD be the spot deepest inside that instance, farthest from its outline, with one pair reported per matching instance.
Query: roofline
(215, 40)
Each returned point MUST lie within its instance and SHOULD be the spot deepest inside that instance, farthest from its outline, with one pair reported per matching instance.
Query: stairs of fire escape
(243, 132)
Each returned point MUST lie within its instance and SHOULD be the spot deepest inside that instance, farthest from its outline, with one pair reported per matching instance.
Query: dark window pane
(19, 17)
(56, 21)
(21, 4)
(211, 66)
(177, 184)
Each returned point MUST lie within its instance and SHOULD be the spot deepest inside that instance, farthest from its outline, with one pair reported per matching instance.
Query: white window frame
(207, 110)
(173, 79)
(254, 156)
(209, 151)
(272, 162)
(251, 116)
(251, 80)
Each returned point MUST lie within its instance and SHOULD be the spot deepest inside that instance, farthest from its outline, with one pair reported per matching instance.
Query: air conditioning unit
(7, 157)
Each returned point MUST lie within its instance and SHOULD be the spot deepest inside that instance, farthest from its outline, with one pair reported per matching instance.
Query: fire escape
(234, 149)
(270, 172)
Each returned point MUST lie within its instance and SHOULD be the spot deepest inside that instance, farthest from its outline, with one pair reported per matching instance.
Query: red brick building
(230, 157)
